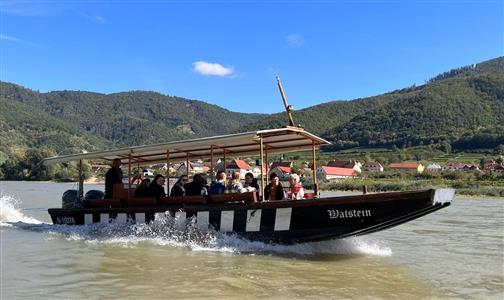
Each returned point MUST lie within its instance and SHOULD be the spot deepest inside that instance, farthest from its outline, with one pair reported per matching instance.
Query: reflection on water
(453, 253)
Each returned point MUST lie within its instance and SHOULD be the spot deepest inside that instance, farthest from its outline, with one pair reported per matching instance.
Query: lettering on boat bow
(65, 220)
(346, 214)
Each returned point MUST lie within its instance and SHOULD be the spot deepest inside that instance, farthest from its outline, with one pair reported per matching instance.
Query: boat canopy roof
(281, 140)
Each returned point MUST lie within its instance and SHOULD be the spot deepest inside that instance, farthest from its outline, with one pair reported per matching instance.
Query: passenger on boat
(218, 186)
(178, 188)
(143, 189)
(235, 186)
(274, 190)
(113, 176)
(251, 182)
(196, 187)
(156, 189)
(296, 190)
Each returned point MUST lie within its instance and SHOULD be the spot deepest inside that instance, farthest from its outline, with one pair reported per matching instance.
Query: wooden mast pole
(314, 164)
(262, 161)
(80, 192)
(288, 108)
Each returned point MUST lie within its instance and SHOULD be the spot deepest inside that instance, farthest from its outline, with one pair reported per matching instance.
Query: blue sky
(228, 52)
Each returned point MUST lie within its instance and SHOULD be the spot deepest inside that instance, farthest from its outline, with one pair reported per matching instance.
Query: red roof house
(417, 167)
(327, 173)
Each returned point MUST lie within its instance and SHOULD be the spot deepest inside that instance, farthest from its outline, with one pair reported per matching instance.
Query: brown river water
(454, 253)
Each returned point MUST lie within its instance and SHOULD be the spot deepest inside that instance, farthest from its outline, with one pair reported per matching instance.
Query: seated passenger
(219, 185)
(296, 190)
(251, 183)
(196, 187)
(113, 176)
(142, 189)
(274, 190)
(178, 188)
(235, 186)
(156, 189)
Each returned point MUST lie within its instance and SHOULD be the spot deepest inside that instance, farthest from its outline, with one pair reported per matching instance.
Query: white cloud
(212, 69)
(294, 40)
(95, 18)
(16, 40)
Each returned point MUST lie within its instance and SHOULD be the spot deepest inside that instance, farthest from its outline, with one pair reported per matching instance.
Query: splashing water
(166, 232)
(10, 214)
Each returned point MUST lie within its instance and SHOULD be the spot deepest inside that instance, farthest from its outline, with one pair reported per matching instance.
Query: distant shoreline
(328, 187)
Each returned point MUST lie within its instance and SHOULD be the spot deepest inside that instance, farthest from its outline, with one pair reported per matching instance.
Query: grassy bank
(466, 183)
(472, 188)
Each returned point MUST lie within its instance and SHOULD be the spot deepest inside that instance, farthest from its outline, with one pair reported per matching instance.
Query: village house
(282, 172)
(373, 167)
(433, 168)
(493, 166)
(330, 173)
(347, 164)
(411, 167)
(238, 165)
(275, 164)
(194, 168)
(452, 166)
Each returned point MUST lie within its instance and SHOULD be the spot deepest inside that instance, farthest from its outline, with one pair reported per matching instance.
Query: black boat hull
(282, 222)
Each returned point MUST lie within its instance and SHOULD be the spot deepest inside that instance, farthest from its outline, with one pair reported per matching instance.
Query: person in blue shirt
(219, 185)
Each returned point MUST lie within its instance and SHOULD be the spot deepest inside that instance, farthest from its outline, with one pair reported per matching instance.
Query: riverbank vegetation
(471, 183)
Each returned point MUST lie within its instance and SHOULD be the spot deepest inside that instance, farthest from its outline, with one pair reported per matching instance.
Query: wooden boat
(245, 214)
(248, 214)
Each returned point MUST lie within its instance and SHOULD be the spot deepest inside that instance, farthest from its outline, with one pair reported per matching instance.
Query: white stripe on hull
(180, 219)
(283, 219)
(88, 219)
(121, 218)
(202, 219)
(140, 218)
(226, 223)
(253, 220)
(104, 218)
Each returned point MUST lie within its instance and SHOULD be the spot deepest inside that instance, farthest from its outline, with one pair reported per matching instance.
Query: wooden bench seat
(233, 197)
(143, 201)
(102, 203)
(182, 200)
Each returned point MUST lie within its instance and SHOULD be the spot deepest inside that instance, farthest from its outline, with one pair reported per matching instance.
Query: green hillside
(132, 118)
(23, 127)
(441, 111)
(462, 108)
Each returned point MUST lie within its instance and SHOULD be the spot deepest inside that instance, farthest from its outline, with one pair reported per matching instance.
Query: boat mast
(288, 108)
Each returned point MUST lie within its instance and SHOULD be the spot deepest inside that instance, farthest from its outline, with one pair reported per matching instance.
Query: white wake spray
(10, 213)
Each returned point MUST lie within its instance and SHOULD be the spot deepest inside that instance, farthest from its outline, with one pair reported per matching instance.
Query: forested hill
(461, 108)
(120, 119)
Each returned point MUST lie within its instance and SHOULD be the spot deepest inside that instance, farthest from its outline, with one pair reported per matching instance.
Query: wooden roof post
(314, 171)
(211, 164)
(266, 163)
(262, 161)
(80, 192)
(168, 172)
(129, 174)
(224, 163)
(187, 165)
(138, 169)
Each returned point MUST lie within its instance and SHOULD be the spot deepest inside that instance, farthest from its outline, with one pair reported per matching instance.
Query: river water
(454, 253)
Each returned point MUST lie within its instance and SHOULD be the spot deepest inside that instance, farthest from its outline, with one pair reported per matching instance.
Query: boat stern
(443, 196)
